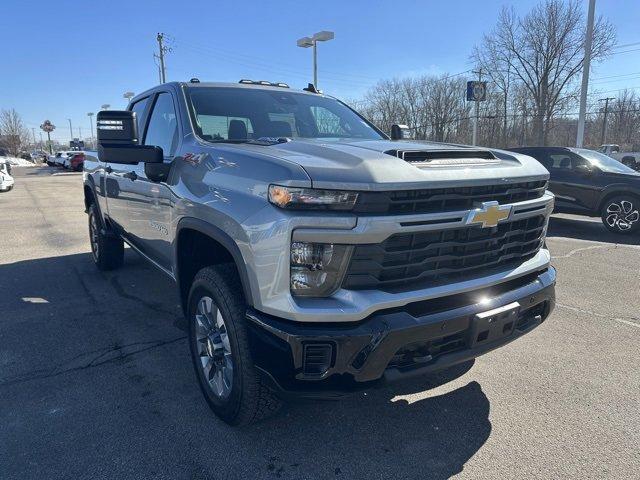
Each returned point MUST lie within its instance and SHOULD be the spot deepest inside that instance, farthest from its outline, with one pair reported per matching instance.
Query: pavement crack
(91, 359)
(155, 306)
(627, 320)
(578, 250)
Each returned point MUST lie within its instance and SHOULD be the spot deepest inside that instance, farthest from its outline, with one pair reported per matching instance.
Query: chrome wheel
(214, 349)
(94, 231)
(621, 215)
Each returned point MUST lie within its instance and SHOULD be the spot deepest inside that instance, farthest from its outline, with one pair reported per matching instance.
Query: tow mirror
(400, 132)
(118, 139)
(117, 127)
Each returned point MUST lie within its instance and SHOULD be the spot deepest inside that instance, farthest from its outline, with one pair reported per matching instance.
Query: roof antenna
(312, 88)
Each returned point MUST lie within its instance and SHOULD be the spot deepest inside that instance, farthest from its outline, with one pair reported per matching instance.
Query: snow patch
(17, 162)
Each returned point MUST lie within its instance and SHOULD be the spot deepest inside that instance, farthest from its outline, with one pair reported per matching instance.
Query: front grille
(443, 256)
(435, 200)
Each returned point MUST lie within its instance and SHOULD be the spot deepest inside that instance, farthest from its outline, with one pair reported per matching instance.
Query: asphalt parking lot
(96, 380)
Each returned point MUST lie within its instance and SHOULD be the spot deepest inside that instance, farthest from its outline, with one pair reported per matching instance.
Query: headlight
(311, 199)
(317, 268)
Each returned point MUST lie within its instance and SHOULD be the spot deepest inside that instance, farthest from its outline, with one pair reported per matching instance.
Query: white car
(6, 180)
(60, 158)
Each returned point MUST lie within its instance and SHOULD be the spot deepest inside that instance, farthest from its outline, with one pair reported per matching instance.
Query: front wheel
(621, 214)
(220, 349)
(107, 250)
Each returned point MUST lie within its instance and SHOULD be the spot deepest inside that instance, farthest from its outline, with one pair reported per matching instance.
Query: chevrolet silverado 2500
(313, 254)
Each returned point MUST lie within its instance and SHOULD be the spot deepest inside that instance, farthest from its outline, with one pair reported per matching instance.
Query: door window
(565, 161)
(163, 126)
(138, 109)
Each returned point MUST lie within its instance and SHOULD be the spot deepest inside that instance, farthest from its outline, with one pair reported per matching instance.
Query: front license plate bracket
(494, 324)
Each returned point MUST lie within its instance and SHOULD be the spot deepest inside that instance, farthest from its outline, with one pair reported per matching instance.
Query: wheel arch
(612, 192)
(215, 247)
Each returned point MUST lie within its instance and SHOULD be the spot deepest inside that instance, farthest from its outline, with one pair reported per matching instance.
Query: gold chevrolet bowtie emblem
(489, 214)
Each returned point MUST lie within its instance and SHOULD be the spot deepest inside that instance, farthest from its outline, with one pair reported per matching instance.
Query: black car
(590, 183)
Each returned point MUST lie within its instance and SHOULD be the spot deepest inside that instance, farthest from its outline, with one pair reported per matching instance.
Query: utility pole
(162, 50)
(603, 139)
(33, 131)
(90, 115)
(586, 65)
(475, 120)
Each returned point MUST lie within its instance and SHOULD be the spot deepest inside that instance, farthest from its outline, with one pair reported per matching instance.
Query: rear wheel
(220, 350)
(621, 214)
(107, 250)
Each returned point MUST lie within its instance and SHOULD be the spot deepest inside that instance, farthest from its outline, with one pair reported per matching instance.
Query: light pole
(586, 65)
(128, 96)
(90, 115)
(306, 42)
(70, 129)
(105, 106)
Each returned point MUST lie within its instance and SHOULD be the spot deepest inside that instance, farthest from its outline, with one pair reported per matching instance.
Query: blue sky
(62, 59)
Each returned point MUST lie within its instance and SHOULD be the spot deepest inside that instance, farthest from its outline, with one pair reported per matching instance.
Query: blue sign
(476, 91)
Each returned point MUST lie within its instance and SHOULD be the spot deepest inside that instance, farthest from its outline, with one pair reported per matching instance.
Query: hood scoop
(445, 158)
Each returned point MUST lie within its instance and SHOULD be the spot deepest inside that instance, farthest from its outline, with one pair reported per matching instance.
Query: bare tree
(545, 52)
(14, 134)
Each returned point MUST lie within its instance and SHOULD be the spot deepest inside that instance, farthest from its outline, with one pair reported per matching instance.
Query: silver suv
(315, 255)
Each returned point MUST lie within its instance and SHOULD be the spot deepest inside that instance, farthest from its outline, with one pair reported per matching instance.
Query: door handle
(131, 176)
(108, 170)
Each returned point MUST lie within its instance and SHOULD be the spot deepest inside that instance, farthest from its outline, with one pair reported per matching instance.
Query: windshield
(242, 114)
(604, 162)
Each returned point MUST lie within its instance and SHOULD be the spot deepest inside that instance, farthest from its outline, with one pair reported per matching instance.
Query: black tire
(107, 250)
(621, 214)
(248, 399)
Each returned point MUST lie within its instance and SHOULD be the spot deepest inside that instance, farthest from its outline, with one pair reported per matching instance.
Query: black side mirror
(117, 127)
(118, 139)
(400, 132)
(129, 154)
(586, 170)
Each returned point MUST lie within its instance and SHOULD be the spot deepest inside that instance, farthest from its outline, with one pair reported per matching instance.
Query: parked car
(75, 161)
(630, 159)
(60, 158)
(314, 255)
(590, 183)
(6, 180)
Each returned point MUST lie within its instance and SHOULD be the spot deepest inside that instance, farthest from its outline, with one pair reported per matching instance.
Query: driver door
(575, 189)
(139, 206)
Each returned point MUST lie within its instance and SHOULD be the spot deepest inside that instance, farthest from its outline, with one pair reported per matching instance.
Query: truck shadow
(587, 229)
(387, 430)
(125, 329)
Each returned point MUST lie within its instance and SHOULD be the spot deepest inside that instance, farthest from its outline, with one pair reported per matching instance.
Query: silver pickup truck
(314, 254)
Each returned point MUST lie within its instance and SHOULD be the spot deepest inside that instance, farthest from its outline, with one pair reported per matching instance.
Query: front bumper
(331, 359)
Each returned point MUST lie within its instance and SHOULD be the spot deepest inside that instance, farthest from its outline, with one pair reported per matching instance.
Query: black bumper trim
(363, 350)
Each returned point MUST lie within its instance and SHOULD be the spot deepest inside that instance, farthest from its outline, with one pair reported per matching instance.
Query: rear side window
(163, 126)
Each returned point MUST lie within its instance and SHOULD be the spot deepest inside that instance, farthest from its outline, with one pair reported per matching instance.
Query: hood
(375, 164)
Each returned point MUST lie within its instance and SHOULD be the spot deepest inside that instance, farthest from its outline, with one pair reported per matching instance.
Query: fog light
(311, 254)
(317, 268)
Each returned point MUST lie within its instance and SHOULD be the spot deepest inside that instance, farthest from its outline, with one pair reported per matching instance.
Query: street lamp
(128, 96)
(90, 115)
(306, 42)
(105, 106)
(70, 129)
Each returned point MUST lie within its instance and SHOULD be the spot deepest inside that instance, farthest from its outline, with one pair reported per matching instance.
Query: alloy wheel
(621, 215)
(214, 349)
